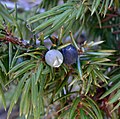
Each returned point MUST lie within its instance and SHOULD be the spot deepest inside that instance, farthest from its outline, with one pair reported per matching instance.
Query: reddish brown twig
(13, 40)
(112, 15)
(108, 26)
(116, 32)
(9, 37)
(106, 19)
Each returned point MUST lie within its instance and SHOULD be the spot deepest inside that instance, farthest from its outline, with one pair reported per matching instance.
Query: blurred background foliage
(88, 89)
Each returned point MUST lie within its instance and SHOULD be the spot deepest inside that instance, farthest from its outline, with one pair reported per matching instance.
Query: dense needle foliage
(87, 89)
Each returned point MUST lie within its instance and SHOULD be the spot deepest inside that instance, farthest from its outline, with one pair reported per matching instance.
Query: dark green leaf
(73, 108)
(3, 97)
(17, 93)
(116, 86)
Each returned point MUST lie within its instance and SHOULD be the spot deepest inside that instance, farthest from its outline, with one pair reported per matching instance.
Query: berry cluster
(68, 55)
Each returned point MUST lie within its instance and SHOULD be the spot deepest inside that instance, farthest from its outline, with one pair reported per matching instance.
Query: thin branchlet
(8, 37)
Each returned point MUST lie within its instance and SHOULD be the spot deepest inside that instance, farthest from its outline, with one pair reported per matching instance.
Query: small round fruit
(70, 54)
(54, 58)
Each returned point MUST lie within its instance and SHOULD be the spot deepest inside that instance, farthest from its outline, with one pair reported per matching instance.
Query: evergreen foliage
(87, 89)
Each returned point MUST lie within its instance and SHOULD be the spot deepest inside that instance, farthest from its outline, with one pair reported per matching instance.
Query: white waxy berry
(54, 58)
